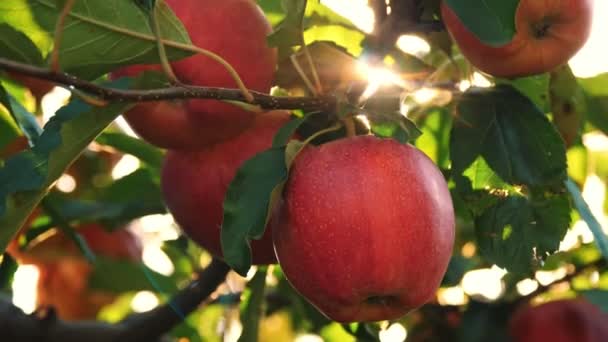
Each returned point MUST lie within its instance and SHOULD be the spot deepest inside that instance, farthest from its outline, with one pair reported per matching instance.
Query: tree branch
(265, 101)
(379, 8)
(600, 263)
(16, 326)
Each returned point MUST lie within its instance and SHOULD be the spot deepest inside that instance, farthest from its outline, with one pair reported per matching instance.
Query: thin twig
(59, 25)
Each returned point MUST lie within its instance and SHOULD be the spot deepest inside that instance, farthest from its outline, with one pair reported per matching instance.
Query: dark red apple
(366, 228)
(15, 146)
(568, 320)
(194, 184)
(548, 34)
(37, 87)
(234, 29)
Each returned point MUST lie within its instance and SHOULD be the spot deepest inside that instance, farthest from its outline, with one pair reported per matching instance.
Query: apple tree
(201, 170)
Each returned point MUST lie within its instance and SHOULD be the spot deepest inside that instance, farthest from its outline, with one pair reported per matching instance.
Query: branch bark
(265, 101)
(16, 326)
(600, 263)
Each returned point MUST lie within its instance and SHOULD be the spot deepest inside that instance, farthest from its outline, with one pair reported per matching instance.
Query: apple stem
(303, 76)
(58, 35)
(217, 58)
(54, 60)
(88, 99)
(162, 54)
(349, 124)
(313, 70)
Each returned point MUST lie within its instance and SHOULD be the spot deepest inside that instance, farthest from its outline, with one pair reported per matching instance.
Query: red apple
(548, 34)
(55, 246)
(194, 184)
(234, 29)
(366, 228)
(17, 145)
(63, 280)
(37, 87)
(560, 321)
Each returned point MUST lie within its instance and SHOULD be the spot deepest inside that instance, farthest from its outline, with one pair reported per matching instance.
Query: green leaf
(273, 10)
(597, 297)
(516, 140)
(288, 130)
(8, 129)
(99, 36)
(318, 14)
(246, 205)
(518, 233)
(289, 31)
(27, 176)
(457, 268)
(145, 152)
(348, 39)
(8, 267)
(17, 14)
(121, 276)
(596, 96)
(111, 214)
(594, 225)
(140, 185)
(482, 322)
(435, 137)
(24, 119)
(481, 177)
(363, 332)
(536, 88)
(597, 85)
(15, 45)
(394, 125)
(568, 105)
(253, 305)
(597, 111)
(132, 196)
(147, 5)
(492, 21)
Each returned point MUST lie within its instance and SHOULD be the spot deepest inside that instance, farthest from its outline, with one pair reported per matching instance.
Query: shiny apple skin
(194, 184)
(529, 53)
(236, 30)
(566, 320)
(366, 228)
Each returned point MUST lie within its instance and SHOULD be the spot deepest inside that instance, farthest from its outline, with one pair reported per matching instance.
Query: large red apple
(569, 320)
(548, 34)
(194, 184)
(366, 228)
(234, 29)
